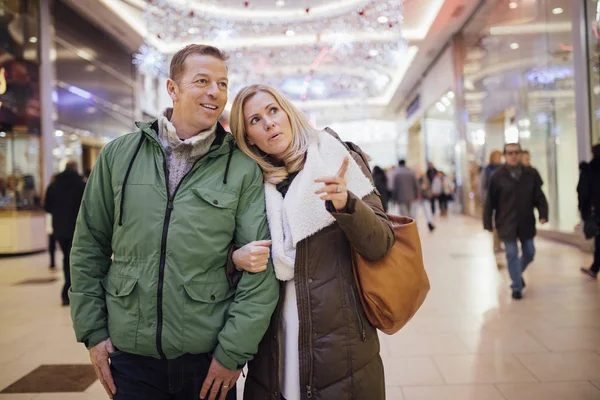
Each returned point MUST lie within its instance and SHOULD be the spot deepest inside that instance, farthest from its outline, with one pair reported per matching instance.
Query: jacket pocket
(205, 311)
(217, 198)
(359, 318)
(122, 304)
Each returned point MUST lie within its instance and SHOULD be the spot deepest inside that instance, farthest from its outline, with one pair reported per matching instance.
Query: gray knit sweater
(182, 154)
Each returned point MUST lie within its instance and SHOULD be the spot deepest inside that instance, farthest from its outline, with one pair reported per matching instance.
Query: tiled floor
(469, 341)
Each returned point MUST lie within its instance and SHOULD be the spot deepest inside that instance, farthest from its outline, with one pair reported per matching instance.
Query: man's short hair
(512, 144)
(402, 163)
(72, 165)
(178, 61)
(525, 152)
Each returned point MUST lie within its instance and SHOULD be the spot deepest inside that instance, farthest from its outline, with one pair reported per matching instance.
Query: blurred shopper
(51, 241)
(63, 199)
(406, 189)
(380, 180)
(320, 344)
(494, 164)
(514, 192)
(171, 202)
(50, 233)
(588, 191)
(424, 196)
(443, 189)
(526, 158)
(432, 172)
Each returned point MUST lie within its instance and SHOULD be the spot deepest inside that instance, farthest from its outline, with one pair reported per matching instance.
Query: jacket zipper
(361, 324)
(305, 336)
(163, 251)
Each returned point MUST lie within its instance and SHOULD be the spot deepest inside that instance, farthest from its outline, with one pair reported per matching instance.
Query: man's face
(512, 153)
(526, 159)
(200, 92)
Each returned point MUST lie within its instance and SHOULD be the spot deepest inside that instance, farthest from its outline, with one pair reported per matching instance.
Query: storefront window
(19, 172)
(519, 87)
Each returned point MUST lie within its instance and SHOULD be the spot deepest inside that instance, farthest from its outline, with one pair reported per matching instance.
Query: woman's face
(267, 125)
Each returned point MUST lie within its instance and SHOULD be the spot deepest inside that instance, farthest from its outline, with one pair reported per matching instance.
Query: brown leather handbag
(392, 289)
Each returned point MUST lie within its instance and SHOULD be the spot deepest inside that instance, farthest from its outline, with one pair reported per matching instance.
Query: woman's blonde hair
(274, 171)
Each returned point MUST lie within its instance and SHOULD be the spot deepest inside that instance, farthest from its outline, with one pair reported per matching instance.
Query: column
(46, 42)
(582, 82)
(464, 150)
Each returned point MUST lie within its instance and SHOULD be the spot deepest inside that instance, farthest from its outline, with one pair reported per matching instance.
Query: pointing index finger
(344, 168)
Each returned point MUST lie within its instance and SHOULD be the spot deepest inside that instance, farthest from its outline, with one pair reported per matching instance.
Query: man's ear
(172, 89)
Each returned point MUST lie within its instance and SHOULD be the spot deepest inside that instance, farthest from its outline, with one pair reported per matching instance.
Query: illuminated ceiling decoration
(319, 53)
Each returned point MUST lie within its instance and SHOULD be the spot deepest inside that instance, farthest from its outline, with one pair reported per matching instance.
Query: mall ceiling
(338, 59)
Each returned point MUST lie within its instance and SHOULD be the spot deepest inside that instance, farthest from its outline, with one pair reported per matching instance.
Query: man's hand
(99, 357)
(219, 378)
(543, 221)
(253, 257)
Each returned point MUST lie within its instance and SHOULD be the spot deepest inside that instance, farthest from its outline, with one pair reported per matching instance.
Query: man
(63, 199)
(405, 189)
(588, 191)
(513, 193)
(169, 203)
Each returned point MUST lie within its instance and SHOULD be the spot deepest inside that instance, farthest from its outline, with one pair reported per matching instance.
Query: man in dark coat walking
(588, 191)
(514, 192)
(63, 199)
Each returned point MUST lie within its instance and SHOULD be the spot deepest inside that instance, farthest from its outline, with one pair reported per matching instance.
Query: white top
(290, 328)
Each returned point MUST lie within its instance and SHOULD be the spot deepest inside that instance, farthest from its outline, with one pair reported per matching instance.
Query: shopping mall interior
(432, 82)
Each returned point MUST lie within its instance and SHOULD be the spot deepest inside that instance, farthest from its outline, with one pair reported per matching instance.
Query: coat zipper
(163, 250)
(361, 324)
(305, 336)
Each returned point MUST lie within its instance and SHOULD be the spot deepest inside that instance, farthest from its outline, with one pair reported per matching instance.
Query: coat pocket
(122, 304)
(205, 311)
(217, 198)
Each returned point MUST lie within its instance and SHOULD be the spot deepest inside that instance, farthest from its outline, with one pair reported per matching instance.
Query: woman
(320, 202)
(381, 184)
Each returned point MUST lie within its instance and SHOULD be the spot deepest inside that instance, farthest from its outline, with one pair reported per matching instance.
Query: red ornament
(307, 10)
(160, 36)
(390, 25)
(246, 3)
(191, 14)
(361, 13)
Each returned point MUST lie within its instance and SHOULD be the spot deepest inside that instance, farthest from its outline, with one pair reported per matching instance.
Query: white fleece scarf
(302, 213)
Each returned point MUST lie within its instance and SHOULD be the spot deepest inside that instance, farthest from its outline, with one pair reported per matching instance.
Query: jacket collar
(222, 144)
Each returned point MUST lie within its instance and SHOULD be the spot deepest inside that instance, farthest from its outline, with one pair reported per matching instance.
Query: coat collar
(302, 213)
(220, 146)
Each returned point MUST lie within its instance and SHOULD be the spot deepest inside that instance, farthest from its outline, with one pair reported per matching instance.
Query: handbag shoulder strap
(351, 147)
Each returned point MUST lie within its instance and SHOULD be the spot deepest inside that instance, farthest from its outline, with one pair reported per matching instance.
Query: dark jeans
(443, 199)
(432, 200)
(517, 265)
(596, 265)
(65, 247)
(52, 249)
(146, 378)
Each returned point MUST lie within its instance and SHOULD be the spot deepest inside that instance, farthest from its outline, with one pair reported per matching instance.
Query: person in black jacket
(381, 184)
(513, 193)
(63, 198)
(588, 191)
